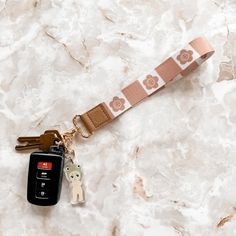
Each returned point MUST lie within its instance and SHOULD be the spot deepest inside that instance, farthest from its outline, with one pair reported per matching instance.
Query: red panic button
(45, 165)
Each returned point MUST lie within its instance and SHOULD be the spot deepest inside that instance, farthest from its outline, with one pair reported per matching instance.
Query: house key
(42, 142)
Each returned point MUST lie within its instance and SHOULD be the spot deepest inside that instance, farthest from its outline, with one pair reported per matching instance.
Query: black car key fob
(45, 176)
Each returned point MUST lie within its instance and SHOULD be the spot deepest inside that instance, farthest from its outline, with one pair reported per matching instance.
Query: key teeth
(20, 147)
(28, 140)
(26, 147)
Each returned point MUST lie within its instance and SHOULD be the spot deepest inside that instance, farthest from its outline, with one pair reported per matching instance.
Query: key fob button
(43, 184)
(43, 174)
(44, 165)
(42, 193)
(45, 177)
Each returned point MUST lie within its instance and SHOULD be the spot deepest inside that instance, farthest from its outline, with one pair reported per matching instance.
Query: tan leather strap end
(96, 117)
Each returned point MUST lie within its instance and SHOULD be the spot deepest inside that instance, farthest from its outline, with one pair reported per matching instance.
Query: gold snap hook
(68, 136)
(78, 128)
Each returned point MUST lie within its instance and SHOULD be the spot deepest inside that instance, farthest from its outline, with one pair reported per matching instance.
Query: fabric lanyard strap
(175, 67)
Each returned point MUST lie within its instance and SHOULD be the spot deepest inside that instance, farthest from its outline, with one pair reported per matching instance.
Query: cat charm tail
(74, 176)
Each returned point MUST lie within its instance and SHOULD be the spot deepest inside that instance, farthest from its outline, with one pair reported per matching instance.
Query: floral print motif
(151, 82)
(185, 56)
(117, 104)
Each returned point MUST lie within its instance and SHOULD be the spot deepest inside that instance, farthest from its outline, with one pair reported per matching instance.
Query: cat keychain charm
(73, 175)
(73, 171)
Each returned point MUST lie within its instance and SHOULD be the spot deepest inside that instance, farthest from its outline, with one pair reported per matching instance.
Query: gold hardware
(77, 129)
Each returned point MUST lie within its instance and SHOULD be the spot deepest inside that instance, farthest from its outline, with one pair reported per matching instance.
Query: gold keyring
(78, 128)
(67, 137)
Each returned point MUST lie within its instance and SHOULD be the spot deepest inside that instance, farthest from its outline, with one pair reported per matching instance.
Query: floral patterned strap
(178, 65)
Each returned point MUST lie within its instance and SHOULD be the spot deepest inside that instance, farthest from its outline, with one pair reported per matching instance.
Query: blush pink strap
(176, 66)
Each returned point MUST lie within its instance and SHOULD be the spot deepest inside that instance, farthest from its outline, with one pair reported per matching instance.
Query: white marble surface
(167, 167)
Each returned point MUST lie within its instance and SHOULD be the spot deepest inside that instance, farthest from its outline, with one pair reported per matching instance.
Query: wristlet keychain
(175, 67)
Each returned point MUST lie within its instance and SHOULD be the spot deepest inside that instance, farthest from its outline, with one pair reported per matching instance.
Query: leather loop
(96, 117)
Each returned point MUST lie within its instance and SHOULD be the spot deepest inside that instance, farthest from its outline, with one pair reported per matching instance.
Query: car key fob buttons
(45, 177)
